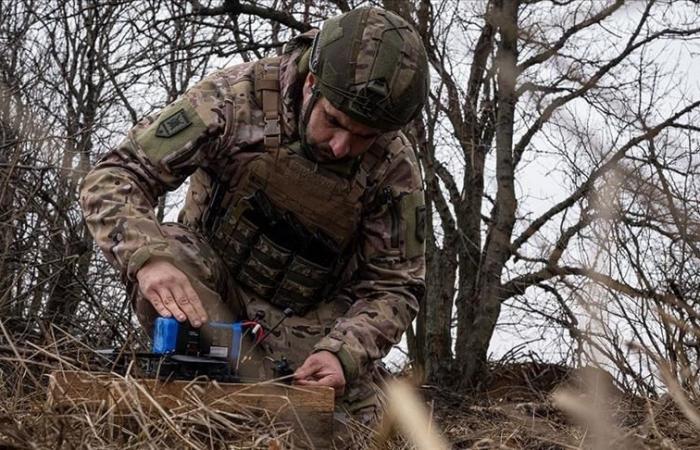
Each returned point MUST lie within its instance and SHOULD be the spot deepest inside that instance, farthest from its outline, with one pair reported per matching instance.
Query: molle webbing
(267, 91)
(275, 256)
(291, 225)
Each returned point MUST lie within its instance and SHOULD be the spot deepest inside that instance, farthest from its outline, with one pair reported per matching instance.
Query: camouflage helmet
(371, 64)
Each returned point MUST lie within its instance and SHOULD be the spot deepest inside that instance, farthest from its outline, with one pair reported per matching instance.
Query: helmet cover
(371, 65)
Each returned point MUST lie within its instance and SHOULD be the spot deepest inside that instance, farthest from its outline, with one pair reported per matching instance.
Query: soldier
(304, 197)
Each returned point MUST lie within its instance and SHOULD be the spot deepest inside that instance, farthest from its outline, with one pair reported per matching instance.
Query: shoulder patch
(177, 130)
(173, 124)
(414, 216)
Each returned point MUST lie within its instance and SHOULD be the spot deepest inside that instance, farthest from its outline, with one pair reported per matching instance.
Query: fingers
(196, 302)
(171, 293)
(189, 304)
(181, 306)
(308, 369)
(157, 303)
(327, 380)
(171, 304)
(330, 380)
(163, 302)
(318, 370)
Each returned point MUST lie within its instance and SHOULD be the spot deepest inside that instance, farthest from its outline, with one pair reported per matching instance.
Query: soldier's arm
(119, 195)
(390, 281)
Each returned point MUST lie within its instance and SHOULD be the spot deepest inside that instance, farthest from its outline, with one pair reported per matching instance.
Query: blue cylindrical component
(236, 337)
(165, 332)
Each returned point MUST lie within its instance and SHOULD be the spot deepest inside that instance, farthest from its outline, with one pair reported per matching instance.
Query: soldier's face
(332, 134)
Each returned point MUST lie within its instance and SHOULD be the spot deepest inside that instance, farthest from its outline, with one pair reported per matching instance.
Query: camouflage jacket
(383, 282)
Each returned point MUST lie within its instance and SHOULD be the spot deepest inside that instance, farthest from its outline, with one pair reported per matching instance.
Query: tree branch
(235, 7)
(545, 55)
(588, 184)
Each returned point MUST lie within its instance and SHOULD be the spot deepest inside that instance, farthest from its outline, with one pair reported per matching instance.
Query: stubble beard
(321, 152)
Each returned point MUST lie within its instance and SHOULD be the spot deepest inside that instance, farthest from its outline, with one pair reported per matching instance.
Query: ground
(521, 406)
(543, 406)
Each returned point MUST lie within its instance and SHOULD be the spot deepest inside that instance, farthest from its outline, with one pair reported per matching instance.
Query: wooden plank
(308, 409)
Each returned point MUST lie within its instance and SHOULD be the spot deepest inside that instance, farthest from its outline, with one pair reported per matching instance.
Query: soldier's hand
(321, 369)
(170, 292)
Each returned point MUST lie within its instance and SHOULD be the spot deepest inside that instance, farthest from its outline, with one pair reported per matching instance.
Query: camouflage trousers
(357, 411)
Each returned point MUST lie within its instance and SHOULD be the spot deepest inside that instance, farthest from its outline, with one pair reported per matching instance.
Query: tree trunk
(487, 296)
(8, 267)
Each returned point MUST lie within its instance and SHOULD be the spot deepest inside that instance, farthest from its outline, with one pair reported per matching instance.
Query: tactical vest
(287, 228)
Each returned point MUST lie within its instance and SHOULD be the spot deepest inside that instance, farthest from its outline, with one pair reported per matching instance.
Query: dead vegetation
(526, 405)
(29, 419)
(528, 411)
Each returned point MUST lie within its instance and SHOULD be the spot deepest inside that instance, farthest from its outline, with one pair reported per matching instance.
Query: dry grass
(29, 420)
(538, 415)
(524, 406)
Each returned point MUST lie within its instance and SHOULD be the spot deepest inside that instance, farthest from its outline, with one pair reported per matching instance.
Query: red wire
(252, 324)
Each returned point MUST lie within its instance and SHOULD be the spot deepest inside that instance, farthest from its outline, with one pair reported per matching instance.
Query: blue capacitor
(165, 332)
(236, 337)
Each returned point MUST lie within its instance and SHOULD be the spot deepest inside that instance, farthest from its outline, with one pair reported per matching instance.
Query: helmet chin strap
(306, 114)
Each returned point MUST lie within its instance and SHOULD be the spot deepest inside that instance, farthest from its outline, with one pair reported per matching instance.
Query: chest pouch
(284, 236)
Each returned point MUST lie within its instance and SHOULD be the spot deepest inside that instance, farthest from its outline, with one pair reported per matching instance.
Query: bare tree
(526, 70)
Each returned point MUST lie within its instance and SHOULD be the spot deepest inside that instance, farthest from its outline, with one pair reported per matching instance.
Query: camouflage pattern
(372, 65)
(214, 131)
(357, 413)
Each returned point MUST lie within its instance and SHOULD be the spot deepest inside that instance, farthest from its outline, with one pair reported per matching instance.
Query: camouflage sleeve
(119, 195)
(390, 280)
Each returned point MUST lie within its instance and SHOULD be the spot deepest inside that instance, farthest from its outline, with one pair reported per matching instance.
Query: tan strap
(267, 90)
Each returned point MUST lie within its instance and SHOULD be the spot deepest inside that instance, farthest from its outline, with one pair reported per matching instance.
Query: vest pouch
(314, 273)
(238, 243)
(301, 285)
(261, 270)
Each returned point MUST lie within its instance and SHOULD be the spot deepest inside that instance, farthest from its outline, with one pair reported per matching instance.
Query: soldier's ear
(309, 83)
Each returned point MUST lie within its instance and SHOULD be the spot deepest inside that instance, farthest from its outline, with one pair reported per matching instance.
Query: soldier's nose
(340, 144)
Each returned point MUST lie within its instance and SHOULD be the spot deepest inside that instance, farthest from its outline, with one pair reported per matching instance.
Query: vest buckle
(272, 128)
(272, 132)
